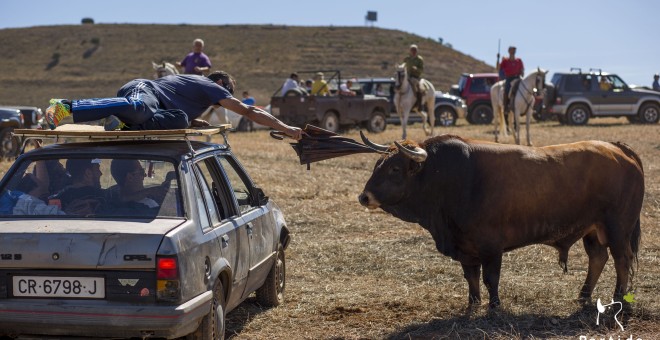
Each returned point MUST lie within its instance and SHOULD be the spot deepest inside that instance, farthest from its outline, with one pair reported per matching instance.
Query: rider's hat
(413, 46)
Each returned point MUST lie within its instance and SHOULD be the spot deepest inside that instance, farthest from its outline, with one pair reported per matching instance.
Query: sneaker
(58, 110)
(113, 123)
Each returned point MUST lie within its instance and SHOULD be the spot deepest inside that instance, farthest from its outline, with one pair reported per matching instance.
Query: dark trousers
(136, 105)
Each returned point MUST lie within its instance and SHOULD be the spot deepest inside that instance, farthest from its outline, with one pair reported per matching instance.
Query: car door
(224, 222)
(617, 99)
(257, 220)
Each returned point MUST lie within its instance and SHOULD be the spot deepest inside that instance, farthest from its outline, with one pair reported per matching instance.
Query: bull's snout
(368, 200)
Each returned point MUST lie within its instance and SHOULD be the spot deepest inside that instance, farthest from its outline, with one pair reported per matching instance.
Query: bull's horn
(418, 155)
(377, 147)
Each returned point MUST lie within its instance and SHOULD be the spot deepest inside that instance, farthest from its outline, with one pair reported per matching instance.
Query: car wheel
(245, 125)
(213, 324)
(445, 116)
(271, 293)
(9, 143)
(649, 113)
(482, 114)
(377, 123)
(577, 114)
(330, 122)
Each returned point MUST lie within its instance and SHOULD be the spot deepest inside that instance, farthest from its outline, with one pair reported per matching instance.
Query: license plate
(59, 286)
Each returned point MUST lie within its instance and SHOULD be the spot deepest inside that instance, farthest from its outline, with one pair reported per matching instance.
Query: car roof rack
(95, 133)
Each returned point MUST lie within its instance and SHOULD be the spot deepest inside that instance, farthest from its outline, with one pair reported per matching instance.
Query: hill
(85, 61)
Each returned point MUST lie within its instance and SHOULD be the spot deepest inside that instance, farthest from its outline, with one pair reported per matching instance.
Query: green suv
(575, 97)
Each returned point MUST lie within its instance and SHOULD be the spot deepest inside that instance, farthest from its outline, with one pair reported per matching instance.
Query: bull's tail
(629, 152)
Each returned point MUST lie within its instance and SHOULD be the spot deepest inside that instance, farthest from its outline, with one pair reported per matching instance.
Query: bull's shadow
(501, 323)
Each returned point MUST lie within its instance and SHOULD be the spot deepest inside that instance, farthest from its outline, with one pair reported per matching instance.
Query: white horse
(522, 103)
(164, 69)
(404, 99)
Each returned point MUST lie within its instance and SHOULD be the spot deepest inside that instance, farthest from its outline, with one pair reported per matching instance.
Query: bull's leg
(492, 265)
(471, 274)
(623, 260)
(597, 258)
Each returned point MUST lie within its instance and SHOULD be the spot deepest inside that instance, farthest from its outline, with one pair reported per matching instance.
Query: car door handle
(225, 240)
(249, 226)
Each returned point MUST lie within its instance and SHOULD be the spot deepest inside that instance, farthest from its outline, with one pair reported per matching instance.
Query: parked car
(10, 119)
(447, 110)
(474, 88)
(575, 97)
(333, 112)
(167, 261)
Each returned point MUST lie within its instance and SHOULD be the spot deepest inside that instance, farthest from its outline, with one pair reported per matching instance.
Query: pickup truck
(332, 112)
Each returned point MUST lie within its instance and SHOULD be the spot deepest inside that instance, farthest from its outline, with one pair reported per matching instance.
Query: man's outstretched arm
(260, 116)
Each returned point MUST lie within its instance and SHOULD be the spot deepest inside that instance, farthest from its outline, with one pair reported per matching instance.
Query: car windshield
(86, 187)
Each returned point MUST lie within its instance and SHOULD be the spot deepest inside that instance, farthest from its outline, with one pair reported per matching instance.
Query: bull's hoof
(494, 304)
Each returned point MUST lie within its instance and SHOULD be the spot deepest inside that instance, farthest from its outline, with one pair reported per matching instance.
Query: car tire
(9, 144)
(377, 123)
(649, 113)
(445, 116)
(213, 323)
(330, 122)
(577, 114)
(271, 293)
(481, 114)
(245, 125)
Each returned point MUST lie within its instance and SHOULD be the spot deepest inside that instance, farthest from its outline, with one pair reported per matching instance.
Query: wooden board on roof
(95, 131)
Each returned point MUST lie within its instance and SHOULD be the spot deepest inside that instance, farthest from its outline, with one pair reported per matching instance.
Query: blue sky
(616, 36)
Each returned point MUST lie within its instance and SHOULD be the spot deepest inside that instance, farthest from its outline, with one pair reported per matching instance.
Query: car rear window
(86, 187)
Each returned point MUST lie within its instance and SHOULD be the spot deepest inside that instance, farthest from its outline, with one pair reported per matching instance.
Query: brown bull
(480, 199)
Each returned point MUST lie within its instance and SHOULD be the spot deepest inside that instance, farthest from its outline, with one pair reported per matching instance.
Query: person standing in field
(196, 62)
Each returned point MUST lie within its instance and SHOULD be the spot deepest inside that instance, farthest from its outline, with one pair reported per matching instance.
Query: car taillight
(558, 100)
(22, 119)
(168, 285)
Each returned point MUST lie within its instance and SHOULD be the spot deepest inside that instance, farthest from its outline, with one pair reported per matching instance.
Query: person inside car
(604, 84)
(85, 195)
(129, 175)
(30, 191)
(345, 88)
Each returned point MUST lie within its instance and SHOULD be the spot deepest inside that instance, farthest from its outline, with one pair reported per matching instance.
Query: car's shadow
(504, 323)
(236, 320)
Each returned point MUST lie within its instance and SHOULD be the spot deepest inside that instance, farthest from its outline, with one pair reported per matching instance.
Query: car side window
(240, 186)
(210, 190)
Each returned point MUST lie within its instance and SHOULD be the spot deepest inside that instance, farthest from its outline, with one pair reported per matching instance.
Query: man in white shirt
(290, 84)
(345, 88)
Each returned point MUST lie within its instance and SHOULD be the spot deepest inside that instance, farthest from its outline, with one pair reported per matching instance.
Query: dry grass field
(359, 274)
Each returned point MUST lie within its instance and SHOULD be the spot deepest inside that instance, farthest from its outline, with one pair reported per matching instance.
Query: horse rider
(512, 68)
(414, 68)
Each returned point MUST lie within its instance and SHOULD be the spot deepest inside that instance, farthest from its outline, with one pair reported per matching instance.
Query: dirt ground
(359, 274)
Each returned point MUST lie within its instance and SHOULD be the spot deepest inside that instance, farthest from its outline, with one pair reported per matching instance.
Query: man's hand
(294, 132)
(199, 123)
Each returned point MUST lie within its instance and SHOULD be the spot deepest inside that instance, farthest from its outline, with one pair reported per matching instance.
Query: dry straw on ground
(359, 274)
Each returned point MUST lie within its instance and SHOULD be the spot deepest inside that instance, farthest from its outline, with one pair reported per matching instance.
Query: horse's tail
(497, 104)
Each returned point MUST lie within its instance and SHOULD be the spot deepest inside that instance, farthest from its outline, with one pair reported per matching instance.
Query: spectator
(512, 68)
(320, 86)
(129, 175)
(656, 85)
(196, 62)
(345, 88)
(308, 85)
(604, 84)
(380, 92)
(84, 196)
(171, 102)
(290, 84)
(31, 189)
(247, 99)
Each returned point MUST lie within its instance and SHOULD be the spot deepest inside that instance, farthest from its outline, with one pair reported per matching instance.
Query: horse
(522, 103)
(164, 69)
(404, 99)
